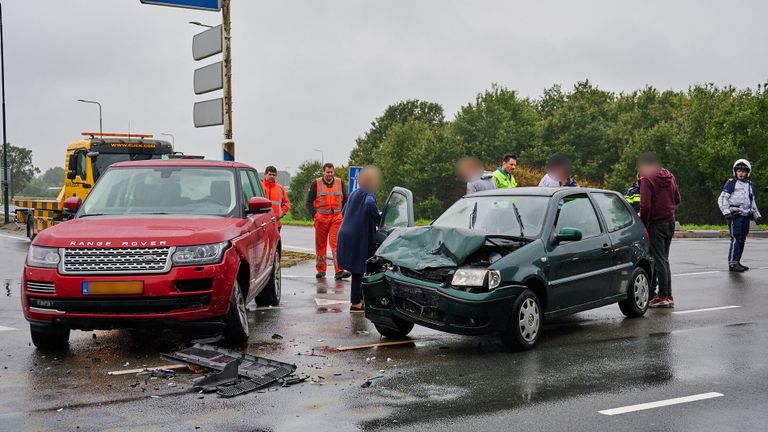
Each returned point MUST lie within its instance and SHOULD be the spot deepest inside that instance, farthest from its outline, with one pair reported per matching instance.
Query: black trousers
(661, 239)
(357, 288)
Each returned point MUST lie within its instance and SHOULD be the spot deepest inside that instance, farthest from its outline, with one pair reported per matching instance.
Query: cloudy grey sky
(314, 73)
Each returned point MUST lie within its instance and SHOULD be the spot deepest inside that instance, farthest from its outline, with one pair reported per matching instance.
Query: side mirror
(72, 204)
(71, 175)
(72, 163)
(567, 234)
(259, 205)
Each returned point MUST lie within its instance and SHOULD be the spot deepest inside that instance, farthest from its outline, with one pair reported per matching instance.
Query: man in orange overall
(325, 200)
(275, 192)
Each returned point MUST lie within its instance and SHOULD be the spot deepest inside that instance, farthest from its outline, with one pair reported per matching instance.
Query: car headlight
(39, 256)
(199, 254)
(476, 278)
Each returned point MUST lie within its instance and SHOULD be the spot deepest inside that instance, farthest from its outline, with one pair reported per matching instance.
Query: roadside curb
(703, 234)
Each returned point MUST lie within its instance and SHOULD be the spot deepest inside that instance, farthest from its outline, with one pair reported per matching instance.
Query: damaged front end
(450, 279)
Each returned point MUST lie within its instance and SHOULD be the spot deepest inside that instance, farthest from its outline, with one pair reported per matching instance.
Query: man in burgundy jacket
(658, 198)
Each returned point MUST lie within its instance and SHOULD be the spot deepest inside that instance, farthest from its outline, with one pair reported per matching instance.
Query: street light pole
(228, 146)
(173, 139)
(101, 131)
(322, 156)
(6, 205)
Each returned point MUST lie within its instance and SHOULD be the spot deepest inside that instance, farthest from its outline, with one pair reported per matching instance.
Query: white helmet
(742, 164)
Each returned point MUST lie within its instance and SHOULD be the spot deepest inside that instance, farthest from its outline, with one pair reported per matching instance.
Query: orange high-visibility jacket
(329, 200)
(275, 192)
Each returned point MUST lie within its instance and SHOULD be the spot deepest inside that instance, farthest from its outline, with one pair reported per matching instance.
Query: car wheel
(402, 329)
(525, 323)
(49, 338)
(636, 303)
(270, 295)
(236, 330)
(30, 227)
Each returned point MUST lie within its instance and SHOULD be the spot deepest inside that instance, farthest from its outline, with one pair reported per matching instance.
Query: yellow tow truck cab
(85, 161)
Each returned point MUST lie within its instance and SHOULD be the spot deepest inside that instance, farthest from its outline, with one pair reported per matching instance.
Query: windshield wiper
(508, 237)
(519, 219)
(473, 216)
(91, 214)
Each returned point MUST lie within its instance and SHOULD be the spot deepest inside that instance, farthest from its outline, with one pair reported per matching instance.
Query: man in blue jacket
(737, 203)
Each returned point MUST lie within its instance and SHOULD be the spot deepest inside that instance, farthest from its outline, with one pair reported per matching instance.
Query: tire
(236, 320)
(49, 338)
(30, 227)
(403, 328)
(638, 293)
(524, 327)
(270, 295)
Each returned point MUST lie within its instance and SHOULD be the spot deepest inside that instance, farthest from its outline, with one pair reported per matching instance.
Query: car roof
(536, 191)
(182, 163)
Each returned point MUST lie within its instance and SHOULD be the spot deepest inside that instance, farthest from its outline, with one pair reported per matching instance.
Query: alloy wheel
(529, 320)
(242, 312)
(277, 275)
(641, 291)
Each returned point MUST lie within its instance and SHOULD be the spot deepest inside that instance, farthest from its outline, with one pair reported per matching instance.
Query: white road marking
(705, 309)
(297, 277)
(329, 302)
(13, 237)
(5, 329)
(658, 404)
(697, 273)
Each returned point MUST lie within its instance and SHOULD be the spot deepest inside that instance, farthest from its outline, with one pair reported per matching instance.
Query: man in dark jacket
(659, 196)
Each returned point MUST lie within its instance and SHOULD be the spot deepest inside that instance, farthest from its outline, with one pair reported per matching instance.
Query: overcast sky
(313, 74)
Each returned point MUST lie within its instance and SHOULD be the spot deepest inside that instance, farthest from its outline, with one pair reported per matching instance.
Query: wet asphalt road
(589, 362)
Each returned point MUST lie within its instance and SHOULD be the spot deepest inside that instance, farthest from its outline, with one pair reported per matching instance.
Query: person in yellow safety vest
(275, 192)
(503, 175)
(325, 201)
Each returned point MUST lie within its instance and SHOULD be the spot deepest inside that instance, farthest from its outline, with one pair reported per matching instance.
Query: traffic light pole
(6, 207)
(228, 146)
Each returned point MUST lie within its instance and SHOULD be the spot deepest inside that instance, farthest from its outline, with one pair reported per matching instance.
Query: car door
(618, 221)
(255, 239)
(397, 213)
(579, 271)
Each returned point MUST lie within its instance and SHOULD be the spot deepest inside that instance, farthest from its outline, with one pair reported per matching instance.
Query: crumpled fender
(430, 247)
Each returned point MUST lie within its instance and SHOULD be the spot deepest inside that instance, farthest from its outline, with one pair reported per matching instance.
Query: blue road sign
(210, 5)
(354, 171)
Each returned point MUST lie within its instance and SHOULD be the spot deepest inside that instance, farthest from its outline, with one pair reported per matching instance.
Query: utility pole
(101, 129)
(6, 205)
(228, 146)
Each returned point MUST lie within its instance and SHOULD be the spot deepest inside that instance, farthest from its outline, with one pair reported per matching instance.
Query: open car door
(397, 213)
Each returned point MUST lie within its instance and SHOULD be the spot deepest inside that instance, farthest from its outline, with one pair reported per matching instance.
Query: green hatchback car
(504, 261)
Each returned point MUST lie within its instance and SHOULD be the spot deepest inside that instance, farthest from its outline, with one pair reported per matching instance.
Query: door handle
(606, 247)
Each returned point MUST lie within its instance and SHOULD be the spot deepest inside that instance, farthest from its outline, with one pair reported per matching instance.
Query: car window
(576, 211)
(248, 191)
(614, 211)
(395, 212)
(256, 183)
(81, 164)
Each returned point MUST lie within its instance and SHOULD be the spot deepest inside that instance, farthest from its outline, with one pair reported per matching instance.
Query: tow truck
(86, 160)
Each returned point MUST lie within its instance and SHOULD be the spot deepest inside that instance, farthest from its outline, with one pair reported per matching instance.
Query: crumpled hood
(430, 247)
(138, 231)
(662, 179)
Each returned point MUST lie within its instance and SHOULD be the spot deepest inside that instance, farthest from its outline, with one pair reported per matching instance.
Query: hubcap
(641, 291)
(529, 320)
(278, 277)
(242, 312)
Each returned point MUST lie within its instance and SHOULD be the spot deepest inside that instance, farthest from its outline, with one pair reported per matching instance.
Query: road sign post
(354, 172)
(228, 146)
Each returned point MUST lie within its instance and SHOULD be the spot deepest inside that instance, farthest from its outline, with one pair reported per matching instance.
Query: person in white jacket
(737, 203)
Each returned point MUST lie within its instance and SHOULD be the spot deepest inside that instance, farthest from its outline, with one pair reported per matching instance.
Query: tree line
(698, 134)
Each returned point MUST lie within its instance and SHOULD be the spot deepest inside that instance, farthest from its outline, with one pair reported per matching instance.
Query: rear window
(615, 212)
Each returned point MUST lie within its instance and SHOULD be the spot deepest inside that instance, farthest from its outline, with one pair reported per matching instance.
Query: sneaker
(743, 266)
(320, 275)
(736, 268)
(670, 302)
(342, 275)
(659, 302)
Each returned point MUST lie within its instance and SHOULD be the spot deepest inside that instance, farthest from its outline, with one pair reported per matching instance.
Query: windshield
(101, 162)
(163, 190)
(500, 215)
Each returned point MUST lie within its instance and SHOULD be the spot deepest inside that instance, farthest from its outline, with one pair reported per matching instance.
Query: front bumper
(391, 294)
(182, 296)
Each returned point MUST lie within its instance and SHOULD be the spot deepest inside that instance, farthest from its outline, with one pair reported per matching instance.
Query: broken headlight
(377, 265)
(476, 278)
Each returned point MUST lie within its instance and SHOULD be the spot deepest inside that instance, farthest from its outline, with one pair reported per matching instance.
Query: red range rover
(156, 243)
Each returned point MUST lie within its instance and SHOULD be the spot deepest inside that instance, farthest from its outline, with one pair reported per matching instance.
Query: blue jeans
(738, 228)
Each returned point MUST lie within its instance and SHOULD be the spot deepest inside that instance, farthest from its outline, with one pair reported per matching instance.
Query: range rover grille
(115, 260)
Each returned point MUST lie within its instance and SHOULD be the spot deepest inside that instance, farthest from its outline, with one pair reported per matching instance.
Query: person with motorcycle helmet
(737, 203)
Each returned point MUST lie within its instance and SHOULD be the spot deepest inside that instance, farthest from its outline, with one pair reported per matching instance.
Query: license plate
(113, 288)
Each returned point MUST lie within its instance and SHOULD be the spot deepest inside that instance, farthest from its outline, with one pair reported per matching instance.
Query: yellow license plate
(113, 288)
